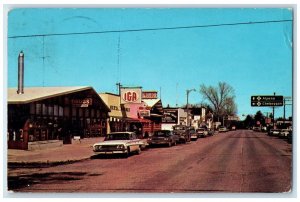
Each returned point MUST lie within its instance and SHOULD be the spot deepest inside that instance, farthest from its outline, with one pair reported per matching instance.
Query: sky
(255, 59)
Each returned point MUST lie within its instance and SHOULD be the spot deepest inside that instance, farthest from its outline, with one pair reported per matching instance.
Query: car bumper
(159, 142)
(111, 152)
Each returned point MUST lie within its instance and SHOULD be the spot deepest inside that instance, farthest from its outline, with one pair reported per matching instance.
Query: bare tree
(221, 98)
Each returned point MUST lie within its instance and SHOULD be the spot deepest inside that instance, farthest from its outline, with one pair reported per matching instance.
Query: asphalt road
(232, 162)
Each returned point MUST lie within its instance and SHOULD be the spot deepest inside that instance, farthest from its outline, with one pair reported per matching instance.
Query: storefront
(47, 115)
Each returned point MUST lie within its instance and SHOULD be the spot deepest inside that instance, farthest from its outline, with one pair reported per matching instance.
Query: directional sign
(266, 101)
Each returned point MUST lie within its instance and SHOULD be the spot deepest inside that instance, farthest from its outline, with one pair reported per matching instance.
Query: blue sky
(254, 59)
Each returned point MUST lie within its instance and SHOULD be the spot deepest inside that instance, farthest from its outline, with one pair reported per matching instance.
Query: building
(45, 116)
(127, 114)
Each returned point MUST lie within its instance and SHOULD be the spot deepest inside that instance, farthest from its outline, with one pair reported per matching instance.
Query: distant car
(283, 133)
(273, 132)
(256, 128)
(202, 132)
(119, 143)
(233, 128)
(183, 132)
(194, 135)
(264, 129)
(222, 129)
(210, 132)
(165, 137)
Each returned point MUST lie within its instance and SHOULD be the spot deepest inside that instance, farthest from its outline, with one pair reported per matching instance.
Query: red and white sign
(149, 95)
(144, 113)
(131, 95)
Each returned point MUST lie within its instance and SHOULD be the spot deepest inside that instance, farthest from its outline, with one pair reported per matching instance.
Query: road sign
(266, 101)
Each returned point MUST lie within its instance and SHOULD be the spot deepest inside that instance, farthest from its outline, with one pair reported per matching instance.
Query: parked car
(273, 132)
(210, 132)
(283, 133)
(183, 132)
(194, 135)
(264, 129)
(119, 143)
(233, 128)
(256, 128)
(222, 129)
(165, 137)
(202, 132)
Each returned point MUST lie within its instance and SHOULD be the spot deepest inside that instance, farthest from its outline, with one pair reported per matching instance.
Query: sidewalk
(67, 153)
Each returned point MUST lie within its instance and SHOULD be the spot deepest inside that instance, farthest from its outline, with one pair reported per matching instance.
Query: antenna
(176, 94)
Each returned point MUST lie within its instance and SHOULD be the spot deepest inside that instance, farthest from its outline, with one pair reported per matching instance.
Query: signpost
(266, 101)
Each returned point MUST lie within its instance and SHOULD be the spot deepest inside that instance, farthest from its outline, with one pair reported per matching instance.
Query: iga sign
(131, 95)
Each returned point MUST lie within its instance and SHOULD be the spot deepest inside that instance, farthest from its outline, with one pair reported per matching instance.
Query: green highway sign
(266, 100)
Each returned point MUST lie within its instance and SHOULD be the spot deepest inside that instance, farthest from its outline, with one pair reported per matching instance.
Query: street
(239, 161)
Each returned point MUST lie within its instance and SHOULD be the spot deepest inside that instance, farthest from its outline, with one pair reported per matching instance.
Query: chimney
(21, 73)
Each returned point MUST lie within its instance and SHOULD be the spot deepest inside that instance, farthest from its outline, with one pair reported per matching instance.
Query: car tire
(138, 151)
(126, 155)
(175, 143)
(170, 144)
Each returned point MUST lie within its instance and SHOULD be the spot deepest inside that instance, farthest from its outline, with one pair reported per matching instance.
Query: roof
(32, 94)
(154, 102)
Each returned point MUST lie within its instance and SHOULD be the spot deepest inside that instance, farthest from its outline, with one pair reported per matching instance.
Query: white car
(119, 143)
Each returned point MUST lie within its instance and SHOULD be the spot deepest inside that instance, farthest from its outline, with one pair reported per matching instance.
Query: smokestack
(21, 73)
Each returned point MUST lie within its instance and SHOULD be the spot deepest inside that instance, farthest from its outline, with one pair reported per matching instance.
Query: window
(44, 109)
(50, 110)
(32, 108)
(61, 111)
(38, 109)
(55, 110)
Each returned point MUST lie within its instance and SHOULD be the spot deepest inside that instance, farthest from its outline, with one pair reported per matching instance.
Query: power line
(151, 29)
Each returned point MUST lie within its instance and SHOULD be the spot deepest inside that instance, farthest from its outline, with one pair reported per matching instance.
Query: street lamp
(187, 105)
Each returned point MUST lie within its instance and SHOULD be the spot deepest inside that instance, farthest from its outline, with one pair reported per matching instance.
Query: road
(236, 162)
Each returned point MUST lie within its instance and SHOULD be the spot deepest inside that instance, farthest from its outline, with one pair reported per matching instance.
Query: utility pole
(274, 115)
(119, 88)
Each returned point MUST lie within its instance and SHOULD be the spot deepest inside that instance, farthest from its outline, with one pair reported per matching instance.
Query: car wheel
(170, 144)
(138, 151)
(126, 155)
(174, 143)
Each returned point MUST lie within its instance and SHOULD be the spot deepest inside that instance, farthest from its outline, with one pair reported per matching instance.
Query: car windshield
(117, 136)
(161, 133)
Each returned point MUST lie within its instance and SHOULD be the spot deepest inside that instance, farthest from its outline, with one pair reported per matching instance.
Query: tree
(259, 117)
(221, 98)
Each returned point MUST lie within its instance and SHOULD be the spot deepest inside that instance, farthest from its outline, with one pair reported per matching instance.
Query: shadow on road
(18, 182)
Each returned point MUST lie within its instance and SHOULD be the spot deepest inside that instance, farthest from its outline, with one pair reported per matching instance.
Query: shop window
(38, 109)
(55, 110)
(80, 112)
(44, 109)
(73, 111)
(87, 112)
(66, 111)
(61, 111)
(32, 108)
(50, 110)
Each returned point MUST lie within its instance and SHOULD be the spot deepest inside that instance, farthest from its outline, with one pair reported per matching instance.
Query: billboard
(131, 95)
(170, 116)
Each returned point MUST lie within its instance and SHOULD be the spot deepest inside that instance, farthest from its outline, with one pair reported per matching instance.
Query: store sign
(170, 116)
(149, 95)
(82, 102)
(144, 113)
(131, 95)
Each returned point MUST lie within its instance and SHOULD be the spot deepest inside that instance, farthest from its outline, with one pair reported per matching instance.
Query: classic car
(194, 135)
(222, 129)
(183, 132)
(165, 137)
(119, 143)
(284, 133)
(202, 132)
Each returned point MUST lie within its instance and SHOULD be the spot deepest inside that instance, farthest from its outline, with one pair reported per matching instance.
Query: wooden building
(50, 115)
